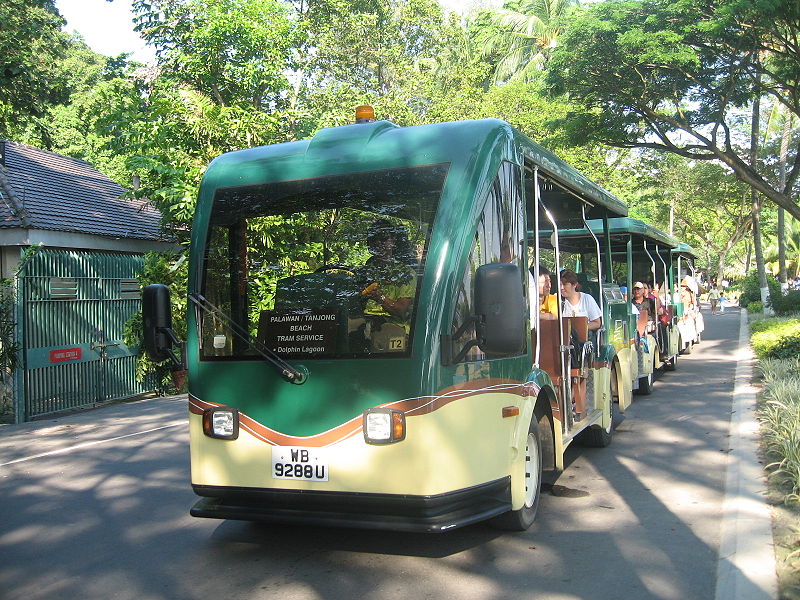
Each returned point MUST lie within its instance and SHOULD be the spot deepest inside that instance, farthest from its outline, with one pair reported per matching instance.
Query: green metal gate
(71, 310)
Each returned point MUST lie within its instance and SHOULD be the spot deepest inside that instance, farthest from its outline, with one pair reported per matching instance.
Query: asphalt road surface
(95, 505)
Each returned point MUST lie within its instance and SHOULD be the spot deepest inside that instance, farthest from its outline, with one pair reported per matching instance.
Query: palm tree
(792, 241)
(523, 34)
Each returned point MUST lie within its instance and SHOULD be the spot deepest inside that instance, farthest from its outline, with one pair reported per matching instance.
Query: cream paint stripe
(88, 444)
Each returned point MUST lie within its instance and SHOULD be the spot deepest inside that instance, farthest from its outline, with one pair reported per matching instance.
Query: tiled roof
(44, 190)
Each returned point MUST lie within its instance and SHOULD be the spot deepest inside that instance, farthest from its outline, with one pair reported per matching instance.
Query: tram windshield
(319, 268)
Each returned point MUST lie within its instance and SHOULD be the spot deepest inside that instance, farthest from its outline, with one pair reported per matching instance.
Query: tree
(235, 52)
(675, 76)
(70, 127)
(792, 238)
(380, 52)
(523, 33)
(31, 46)
(710, 209)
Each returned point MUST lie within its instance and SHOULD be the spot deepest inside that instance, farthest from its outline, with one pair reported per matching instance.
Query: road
(95, 505)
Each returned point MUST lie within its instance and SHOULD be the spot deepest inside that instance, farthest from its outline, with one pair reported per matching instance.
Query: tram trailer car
(638, 252)
(690, 319)
(335, 381)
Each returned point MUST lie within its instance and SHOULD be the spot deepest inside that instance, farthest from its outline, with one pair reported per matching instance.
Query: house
(75, 291)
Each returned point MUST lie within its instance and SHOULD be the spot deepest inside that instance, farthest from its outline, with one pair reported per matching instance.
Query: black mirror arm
(447, 341)
(179, 364)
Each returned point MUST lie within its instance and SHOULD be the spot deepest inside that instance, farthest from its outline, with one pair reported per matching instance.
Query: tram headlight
(221, 423)
(384, 426)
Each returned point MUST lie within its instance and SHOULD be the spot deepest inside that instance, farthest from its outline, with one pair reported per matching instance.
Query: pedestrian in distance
(713, 298)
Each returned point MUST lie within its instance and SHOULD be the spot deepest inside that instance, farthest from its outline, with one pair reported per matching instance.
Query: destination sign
(299, 333)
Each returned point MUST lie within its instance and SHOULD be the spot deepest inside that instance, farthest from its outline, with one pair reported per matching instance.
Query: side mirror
(157, 319)
(501, 310)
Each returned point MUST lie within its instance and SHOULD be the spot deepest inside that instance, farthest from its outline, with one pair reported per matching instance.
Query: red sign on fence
(65, 354)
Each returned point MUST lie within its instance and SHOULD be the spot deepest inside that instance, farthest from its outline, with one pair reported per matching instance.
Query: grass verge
(778, 368)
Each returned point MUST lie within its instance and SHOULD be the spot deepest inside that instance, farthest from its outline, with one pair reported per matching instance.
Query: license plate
(305, 464)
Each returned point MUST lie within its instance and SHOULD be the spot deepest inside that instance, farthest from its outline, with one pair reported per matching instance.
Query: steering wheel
(335, 267)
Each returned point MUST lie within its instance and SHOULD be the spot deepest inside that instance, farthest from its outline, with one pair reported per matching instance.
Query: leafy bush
(751, 292)
(786, 304)
(779, 412)
(776, 338)
(755, 307)
(171, 270)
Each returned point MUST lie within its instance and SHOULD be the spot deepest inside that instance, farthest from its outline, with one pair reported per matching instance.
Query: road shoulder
(746, 565)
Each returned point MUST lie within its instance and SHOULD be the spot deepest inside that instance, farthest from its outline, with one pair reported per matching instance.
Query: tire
(645, 385)
(522, 519)
(671, 364)
(596, 436)
(688, 349)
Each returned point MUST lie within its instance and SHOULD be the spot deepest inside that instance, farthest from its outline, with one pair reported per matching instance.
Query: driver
(392, 280)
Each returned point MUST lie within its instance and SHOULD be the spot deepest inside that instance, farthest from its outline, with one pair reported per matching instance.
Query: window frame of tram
(498, 237)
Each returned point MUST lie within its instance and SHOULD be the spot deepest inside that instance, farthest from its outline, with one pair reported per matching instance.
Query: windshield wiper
(289, 372)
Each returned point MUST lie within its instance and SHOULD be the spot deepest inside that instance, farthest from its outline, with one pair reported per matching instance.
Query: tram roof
(684, 248)
(382, 145)
(620, 228)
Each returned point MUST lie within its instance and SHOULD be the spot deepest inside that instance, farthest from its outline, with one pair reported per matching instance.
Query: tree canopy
(675, 76)
(607, 86)
(31, 46)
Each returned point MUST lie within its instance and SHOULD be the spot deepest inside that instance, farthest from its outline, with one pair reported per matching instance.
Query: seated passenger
(642, 302)
(548, 303)
(578, 304)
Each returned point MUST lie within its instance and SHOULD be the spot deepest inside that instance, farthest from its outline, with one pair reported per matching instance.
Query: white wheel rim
(531, 470)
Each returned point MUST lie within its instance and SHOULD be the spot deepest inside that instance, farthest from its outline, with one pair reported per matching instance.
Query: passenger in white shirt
(578, 304)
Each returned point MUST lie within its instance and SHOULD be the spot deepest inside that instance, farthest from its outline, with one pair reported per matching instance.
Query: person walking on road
(713, 297)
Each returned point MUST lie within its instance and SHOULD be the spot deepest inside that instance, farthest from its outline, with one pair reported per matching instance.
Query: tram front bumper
(396, 512)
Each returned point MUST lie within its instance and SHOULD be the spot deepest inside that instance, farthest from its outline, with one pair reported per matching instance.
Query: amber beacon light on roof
(365, 114)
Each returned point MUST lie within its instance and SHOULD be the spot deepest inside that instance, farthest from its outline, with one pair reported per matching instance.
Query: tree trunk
(756, 203)
(787, 130)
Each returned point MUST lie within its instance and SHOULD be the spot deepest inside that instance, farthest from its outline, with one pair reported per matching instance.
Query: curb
(746, 564)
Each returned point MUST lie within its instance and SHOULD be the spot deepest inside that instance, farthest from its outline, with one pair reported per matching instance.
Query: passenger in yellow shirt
(548, 303)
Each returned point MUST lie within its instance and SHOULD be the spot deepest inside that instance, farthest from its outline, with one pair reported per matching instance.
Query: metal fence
(72, 307)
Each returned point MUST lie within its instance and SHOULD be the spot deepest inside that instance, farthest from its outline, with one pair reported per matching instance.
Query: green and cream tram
(362, 350)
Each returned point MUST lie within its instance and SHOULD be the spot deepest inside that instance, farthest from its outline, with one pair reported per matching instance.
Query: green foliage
(709, 207)
(786, 304)
(522, 35)
(751, 291)
(31, 47)
(9, 347)
(172, 270)
(235, 52)
(779, 412)
(776, 338)
(662, 74)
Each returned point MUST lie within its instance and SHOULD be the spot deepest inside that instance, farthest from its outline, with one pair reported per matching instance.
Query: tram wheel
(645, 385)
(522, 519)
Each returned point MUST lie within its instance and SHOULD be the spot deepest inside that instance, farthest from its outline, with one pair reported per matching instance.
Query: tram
(365, 344)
